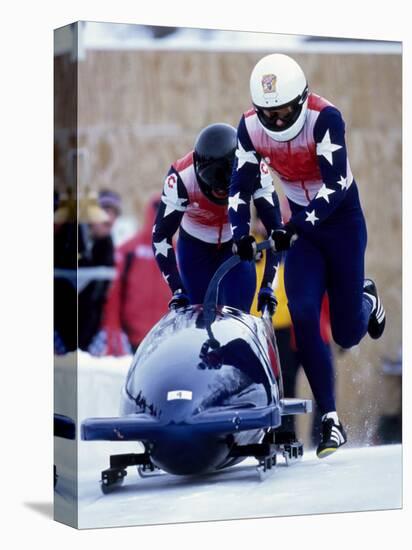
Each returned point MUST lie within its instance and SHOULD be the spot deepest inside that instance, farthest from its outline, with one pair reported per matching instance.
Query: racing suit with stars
(316, 177)
(205, 237)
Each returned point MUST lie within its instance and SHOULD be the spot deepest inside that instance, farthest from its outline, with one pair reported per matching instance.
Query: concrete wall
(138, 111)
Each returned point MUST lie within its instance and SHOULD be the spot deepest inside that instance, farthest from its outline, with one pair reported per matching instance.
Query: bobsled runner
(204, 392)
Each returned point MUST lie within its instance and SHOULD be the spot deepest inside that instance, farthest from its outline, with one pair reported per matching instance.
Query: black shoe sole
(327, 451)
(375, 329)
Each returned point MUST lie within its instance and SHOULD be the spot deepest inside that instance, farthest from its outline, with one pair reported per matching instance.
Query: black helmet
(214, 154)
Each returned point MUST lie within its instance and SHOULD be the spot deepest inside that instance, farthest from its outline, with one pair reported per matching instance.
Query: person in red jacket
(138, 297)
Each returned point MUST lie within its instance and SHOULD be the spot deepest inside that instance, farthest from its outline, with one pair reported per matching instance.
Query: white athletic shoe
(333, 435)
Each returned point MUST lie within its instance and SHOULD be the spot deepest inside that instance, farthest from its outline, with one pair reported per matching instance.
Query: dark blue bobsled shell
(203, 389)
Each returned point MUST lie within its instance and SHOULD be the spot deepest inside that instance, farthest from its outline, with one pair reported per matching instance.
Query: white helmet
(278, 82)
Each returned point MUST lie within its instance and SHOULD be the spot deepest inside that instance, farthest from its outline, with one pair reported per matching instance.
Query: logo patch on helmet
(269, 83)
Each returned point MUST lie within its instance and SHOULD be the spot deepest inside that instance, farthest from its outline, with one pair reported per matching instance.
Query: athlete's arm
(244, 182)
(329, 134)
(172, 207)
(267, 206)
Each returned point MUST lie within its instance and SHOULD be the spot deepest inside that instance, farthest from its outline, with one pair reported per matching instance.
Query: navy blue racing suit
(205, 237)
(328, 255)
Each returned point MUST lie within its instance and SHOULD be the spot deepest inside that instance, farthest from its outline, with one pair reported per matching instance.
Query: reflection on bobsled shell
(172, 353)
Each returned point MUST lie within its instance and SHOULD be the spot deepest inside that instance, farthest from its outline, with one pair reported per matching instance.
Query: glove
(179, 299)
(266, 299)
(245, 247)
(283, 238)
(110, 342)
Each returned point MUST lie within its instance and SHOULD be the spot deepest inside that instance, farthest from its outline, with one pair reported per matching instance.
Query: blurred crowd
(116, 293)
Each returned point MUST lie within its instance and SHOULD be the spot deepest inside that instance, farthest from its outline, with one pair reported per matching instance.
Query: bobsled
(204, 392)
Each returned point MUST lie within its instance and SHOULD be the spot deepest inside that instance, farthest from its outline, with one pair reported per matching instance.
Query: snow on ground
(354, 479)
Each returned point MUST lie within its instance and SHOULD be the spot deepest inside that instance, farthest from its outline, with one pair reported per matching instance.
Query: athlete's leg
(305, 286)
(196, 266)
(349, 308)
(237, 288)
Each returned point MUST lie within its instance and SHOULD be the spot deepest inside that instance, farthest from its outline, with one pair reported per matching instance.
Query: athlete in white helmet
(301, 136)
(280, 100)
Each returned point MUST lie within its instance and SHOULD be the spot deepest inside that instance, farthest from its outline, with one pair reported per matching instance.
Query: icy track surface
(351, 480)
(354, 479)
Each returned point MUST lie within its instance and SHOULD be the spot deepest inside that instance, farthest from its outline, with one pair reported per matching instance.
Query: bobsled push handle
(210, 301)
(293, 405)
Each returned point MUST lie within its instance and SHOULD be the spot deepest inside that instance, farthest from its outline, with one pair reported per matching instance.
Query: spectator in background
(95, 248)
(138, 297)
(111, 203)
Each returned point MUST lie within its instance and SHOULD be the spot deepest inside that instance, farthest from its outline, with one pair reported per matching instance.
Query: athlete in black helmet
(214, 154)
(195, 199)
